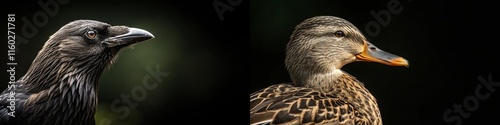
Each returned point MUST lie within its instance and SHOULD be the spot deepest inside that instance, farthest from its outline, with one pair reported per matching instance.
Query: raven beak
(373, 54)
(134, 35)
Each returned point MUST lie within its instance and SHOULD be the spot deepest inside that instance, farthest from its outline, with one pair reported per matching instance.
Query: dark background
(213, 65)
(449, 44)
(204, 56)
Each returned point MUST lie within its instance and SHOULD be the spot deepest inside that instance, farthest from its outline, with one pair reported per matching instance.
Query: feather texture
(321, 93)
(61, 85)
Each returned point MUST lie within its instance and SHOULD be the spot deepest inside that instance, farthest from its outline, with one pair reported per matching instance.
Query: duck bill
(373, 54)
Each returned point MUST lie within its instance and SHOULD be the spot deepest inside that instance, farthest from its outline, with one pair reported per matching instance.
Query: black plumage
(61, 85)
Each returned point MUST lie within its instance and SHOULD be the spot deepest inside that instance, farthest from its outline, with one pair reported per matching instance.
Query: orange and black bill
(373, 54)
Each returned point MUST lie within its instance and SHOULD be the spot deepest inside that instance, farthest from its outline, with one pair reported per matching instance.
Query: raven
(61, 85)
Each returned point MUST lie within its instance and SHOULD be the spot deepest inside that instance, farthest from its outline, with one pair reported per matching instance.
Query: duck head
(323, 44)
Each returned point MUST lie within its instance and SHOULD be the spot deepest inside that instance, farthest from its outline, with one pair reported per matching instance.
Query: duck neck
(349, 89)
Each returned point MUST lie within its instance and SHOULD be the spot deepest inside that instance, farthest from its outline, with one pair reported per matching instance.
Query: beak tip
(150, 35)
(400, 61)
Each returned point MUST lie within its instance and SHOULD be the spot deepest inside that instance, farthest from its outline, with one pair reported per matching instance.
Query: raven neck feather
(69, 85)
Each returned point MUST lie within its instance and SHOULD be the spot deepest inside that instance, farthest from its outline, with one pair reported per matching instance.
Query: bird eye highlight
(91, 34)
(339, 34)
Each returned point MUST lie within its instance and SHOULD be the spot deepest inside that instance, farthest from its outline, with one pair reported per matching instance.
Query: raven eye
(91, 34)
(339, 34)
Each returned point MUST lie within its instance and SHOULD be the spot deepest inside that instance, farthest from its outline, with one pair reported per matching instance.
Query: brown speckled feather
(287, 104)
(321, 92)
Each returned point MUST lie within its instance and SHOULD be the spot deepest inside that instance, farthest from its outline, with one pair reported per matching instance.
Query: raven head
(88, 39)
(83, 47)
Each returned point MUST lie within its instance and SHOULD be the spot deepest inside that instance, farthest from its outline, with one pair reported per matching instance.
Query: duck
(321, 93)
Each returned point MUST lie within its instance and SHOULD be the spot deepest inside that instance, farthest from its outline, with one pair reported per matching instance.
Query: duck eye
(91, 34)
(339, 34)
